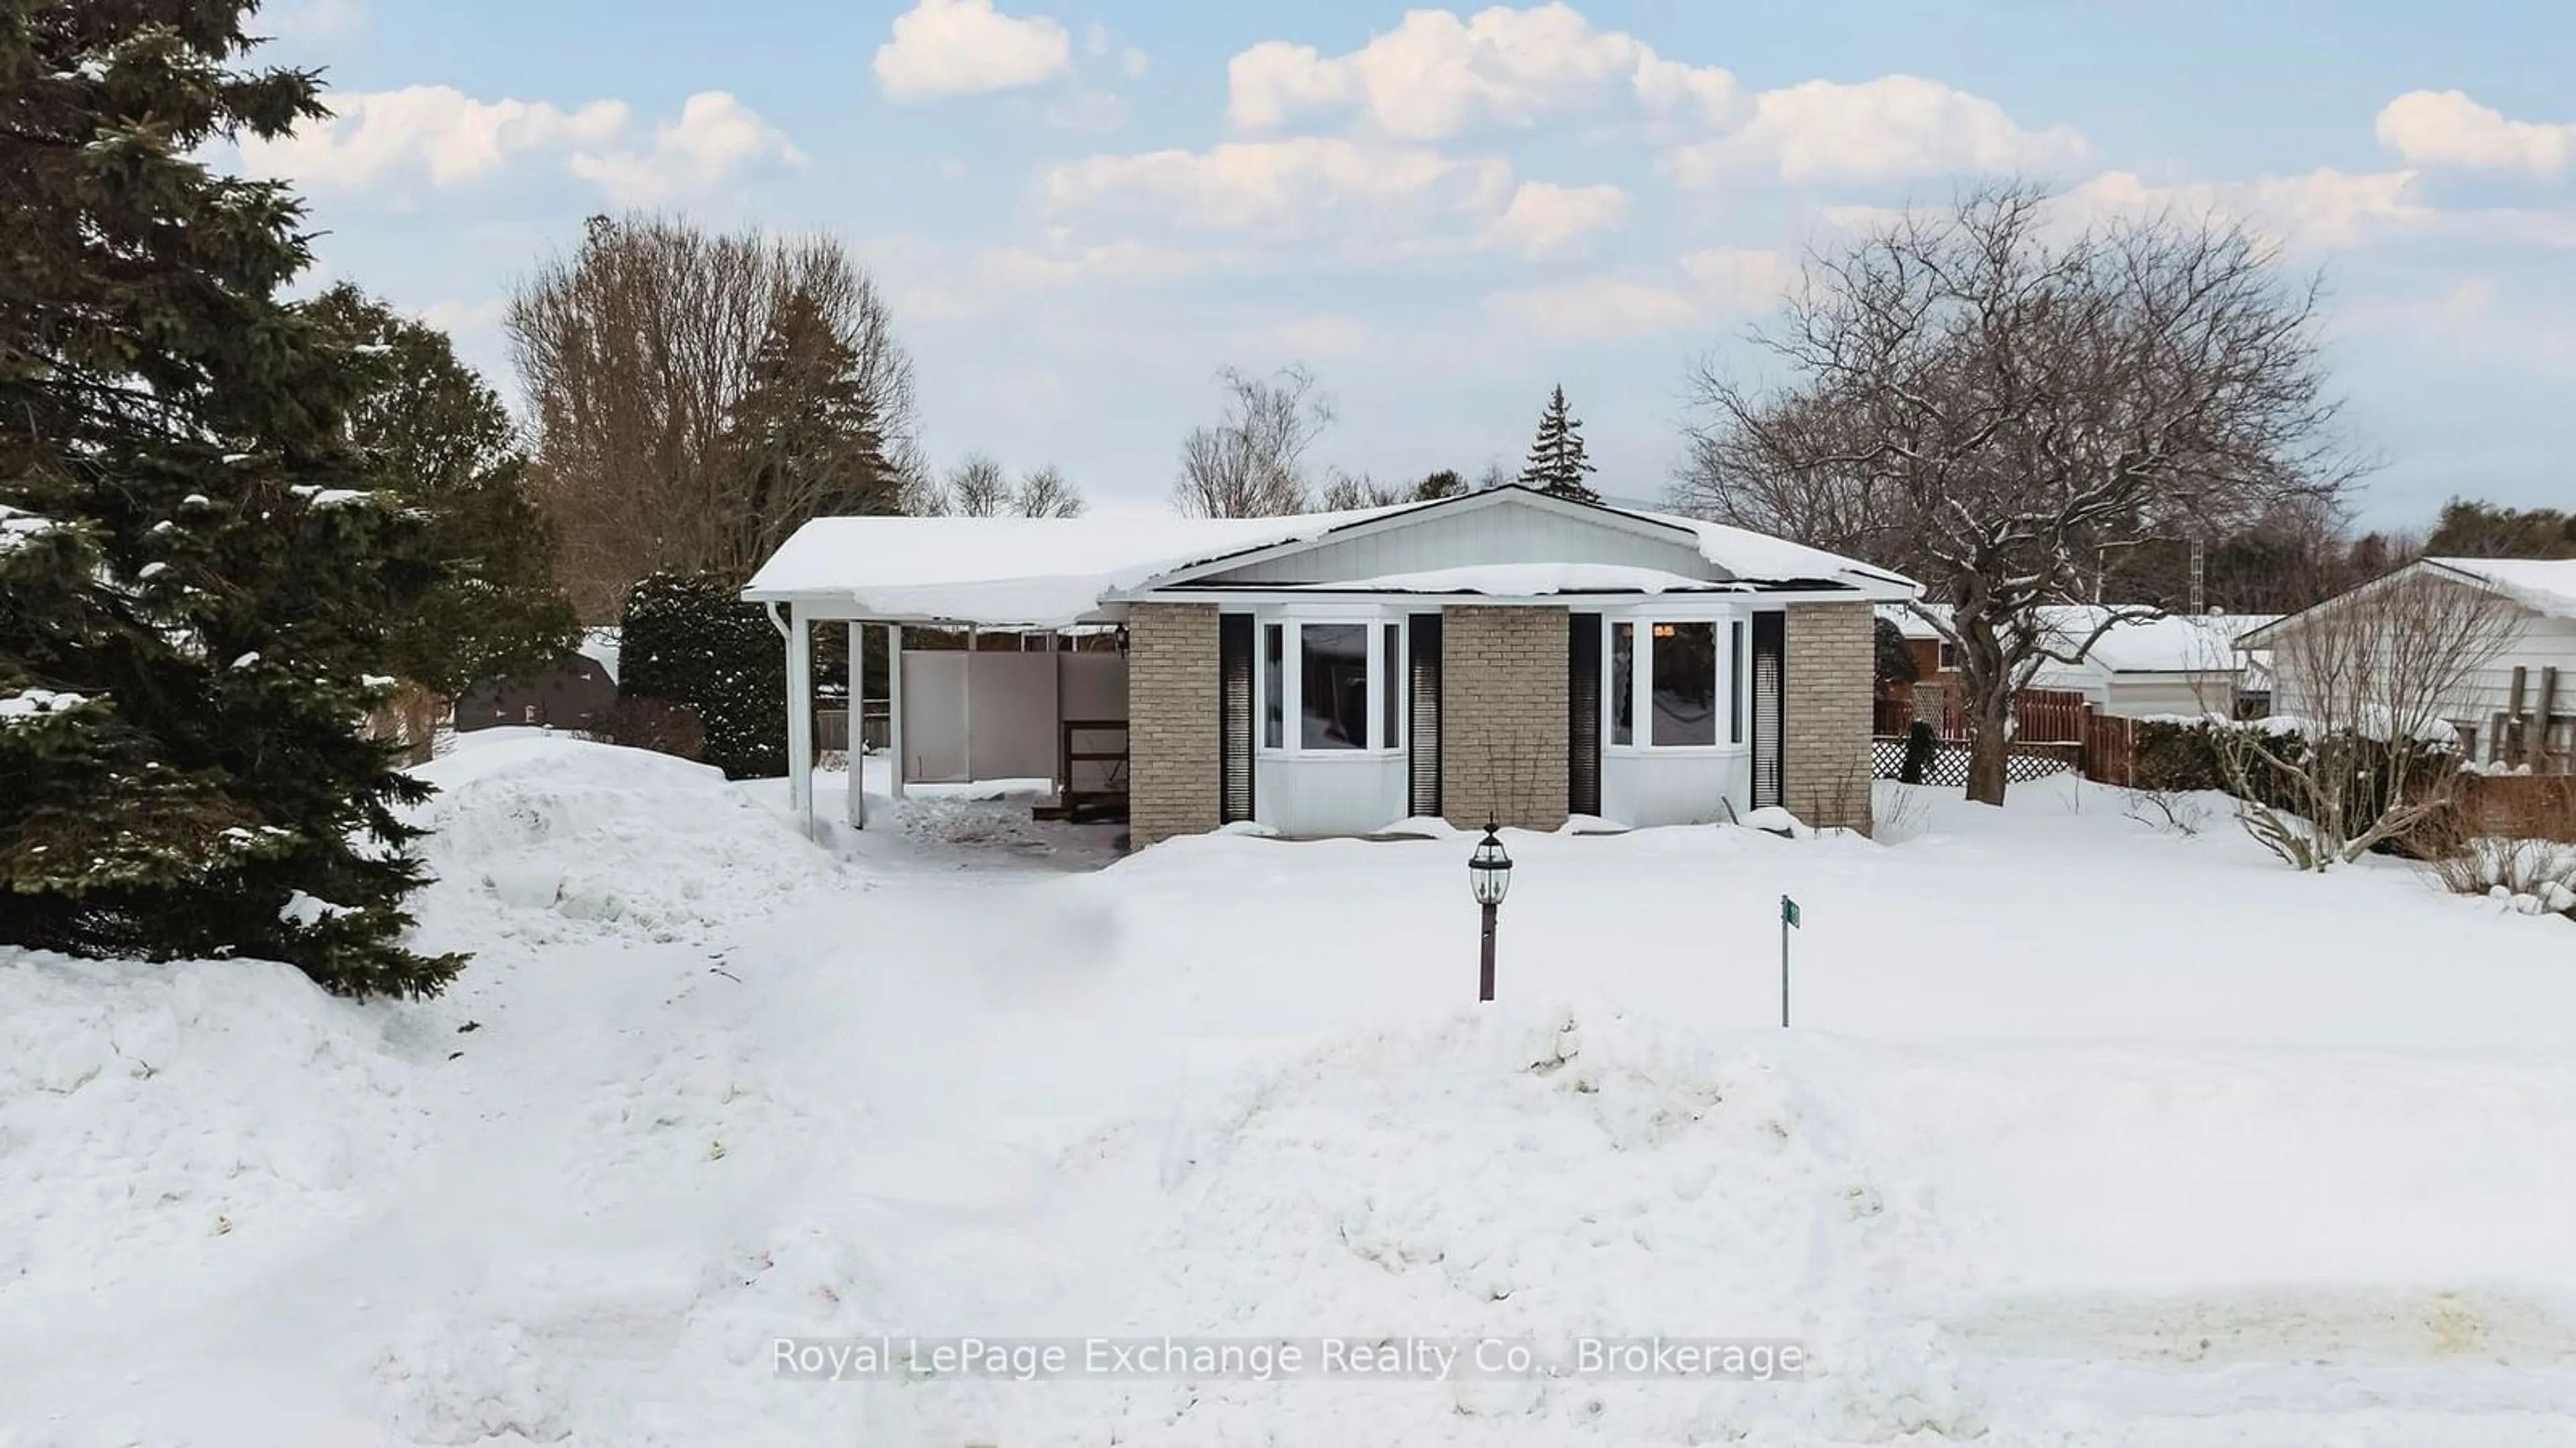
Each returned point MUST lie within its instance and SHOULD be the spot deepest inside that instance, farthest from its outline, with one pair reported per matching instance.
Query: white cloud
(1306, 338)
(1543, 216)
(1436, 74)
(1282, 187)
(1597, 309)
(1019, 268)
(1092, 112)
(455, 140)
(967, 47)
(464, 319)
(715, 137)
(2322, 208)
(2446, 128)
(455, 137)
(1898, 125)
(1135, 63)
(1717, 283)
(1741, 280)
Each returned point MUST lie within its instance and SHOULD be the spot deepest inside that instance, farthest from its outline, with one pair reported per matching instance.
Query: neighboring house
(2514, 709)
(576, 691)
(1501, 652)
(2177, 664)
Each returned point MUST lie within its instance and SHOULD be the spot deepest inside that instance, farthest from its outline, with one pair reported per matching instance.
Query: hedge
(689, 640)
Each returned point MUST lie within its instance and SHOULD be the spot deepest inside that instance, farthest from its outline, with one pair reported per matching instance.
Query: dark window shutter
(1234, 716)
(1770, 696)
(1583, 713)
(1423, 682)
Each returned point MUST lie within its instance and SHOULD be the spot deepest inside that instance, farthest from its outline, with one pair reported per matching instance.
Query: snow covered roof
(1053, 572)
(1042, 572)
(2177, 643)
(600, 645)
(1759, 556)
(2546, 586)
(2543, 585)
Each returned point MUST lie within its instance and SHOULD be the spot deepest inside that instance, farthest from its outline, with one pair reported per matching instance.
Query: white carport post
(894, 705)
(800, 717)
(854, 742)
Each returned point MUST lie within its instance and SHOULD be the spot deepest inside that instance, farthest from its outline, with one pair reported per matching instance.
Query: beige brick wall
(1825, 745)
(1502, 716)
(1172, 701)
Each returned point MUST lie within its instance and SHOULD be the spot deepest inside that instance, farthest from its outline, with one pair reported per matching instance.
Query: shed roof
(2546, 586)
(2543, 585)
(1052, 572)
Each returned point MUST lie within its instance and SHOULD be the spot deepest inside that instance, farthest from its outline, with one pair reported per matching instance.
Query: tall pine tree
(813, 444)
(195, 576)
(1556, 460)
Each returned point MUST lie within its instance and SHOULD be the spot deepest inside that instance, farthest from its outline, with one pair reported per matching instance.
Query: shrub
(688, 640)
(1918, 753)
(2176, 755)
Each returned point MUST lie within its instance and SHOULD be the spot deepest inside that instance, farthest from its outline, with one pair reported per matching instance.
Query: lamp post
(1489, 870)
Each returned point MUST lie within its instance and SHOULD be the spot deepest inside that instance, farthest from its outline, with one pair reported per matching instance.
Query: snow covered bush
(2513, 838)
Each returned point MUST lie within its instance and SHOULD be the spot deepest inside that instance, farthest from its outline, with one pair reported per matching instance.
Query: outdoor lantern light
(1489, 870)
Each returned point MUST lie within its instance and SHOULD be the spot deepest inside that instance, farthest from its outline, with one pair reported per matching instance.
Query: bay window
(1685, 683)
(1683, 678)
(1339, 680)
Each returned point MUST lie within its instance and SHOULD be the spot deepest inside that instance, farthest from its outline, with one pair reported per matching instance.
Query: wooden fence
(2055, 731)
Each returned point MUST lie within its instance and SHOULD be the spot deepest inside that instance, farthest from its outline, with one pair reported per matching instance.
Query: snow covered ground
(2089, 1133)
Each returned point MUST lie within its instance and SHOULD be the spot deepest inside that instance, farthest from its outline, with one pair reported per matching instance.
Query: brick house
(1501, 653)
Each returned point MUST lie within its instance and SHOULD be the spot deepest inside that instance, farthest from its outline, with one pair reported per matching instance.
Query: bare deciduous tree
(644, 356)
(1252, 463)
(977, 488)
(2361, 748)
(1346, 491)
(1045, 493)
(1996, 405)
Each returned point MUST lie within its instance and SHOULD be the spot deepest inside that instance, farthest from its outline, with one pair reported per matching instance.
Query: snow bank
(147, 1111)
(643, 845)
(2089, 1134)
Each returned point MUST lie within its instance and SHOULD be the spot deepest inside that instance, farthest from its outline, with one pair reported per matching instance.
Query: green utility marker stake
(1788, 922)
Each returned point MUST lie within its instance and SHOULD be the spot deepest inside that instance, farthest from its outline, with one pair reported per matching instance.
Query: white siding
(2532, 643)
(1475, 537)
(2135, 696)
(1644, 787)
(1327, 794)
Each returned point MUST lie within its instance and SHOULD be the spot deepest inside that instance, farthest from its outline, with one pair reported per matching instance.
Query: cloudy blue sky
(1080, 209)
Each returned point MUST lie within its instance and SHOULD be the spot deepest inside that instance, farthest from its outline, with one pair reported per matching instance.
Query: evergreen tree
(1446, 483)
(441, 442)
(811, 437)
(2482, 530)
(1557, 463)
(194, 587)
(689, 640)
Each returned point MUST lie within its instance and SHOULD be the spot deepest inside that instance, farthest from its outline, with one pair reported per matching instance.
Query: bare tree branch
(1251, 464)
(2006, 411)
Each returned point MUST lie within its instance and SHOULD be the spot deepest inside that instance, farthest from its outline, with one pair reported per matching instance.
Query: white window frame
(1292, 682)
(1643, 619)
